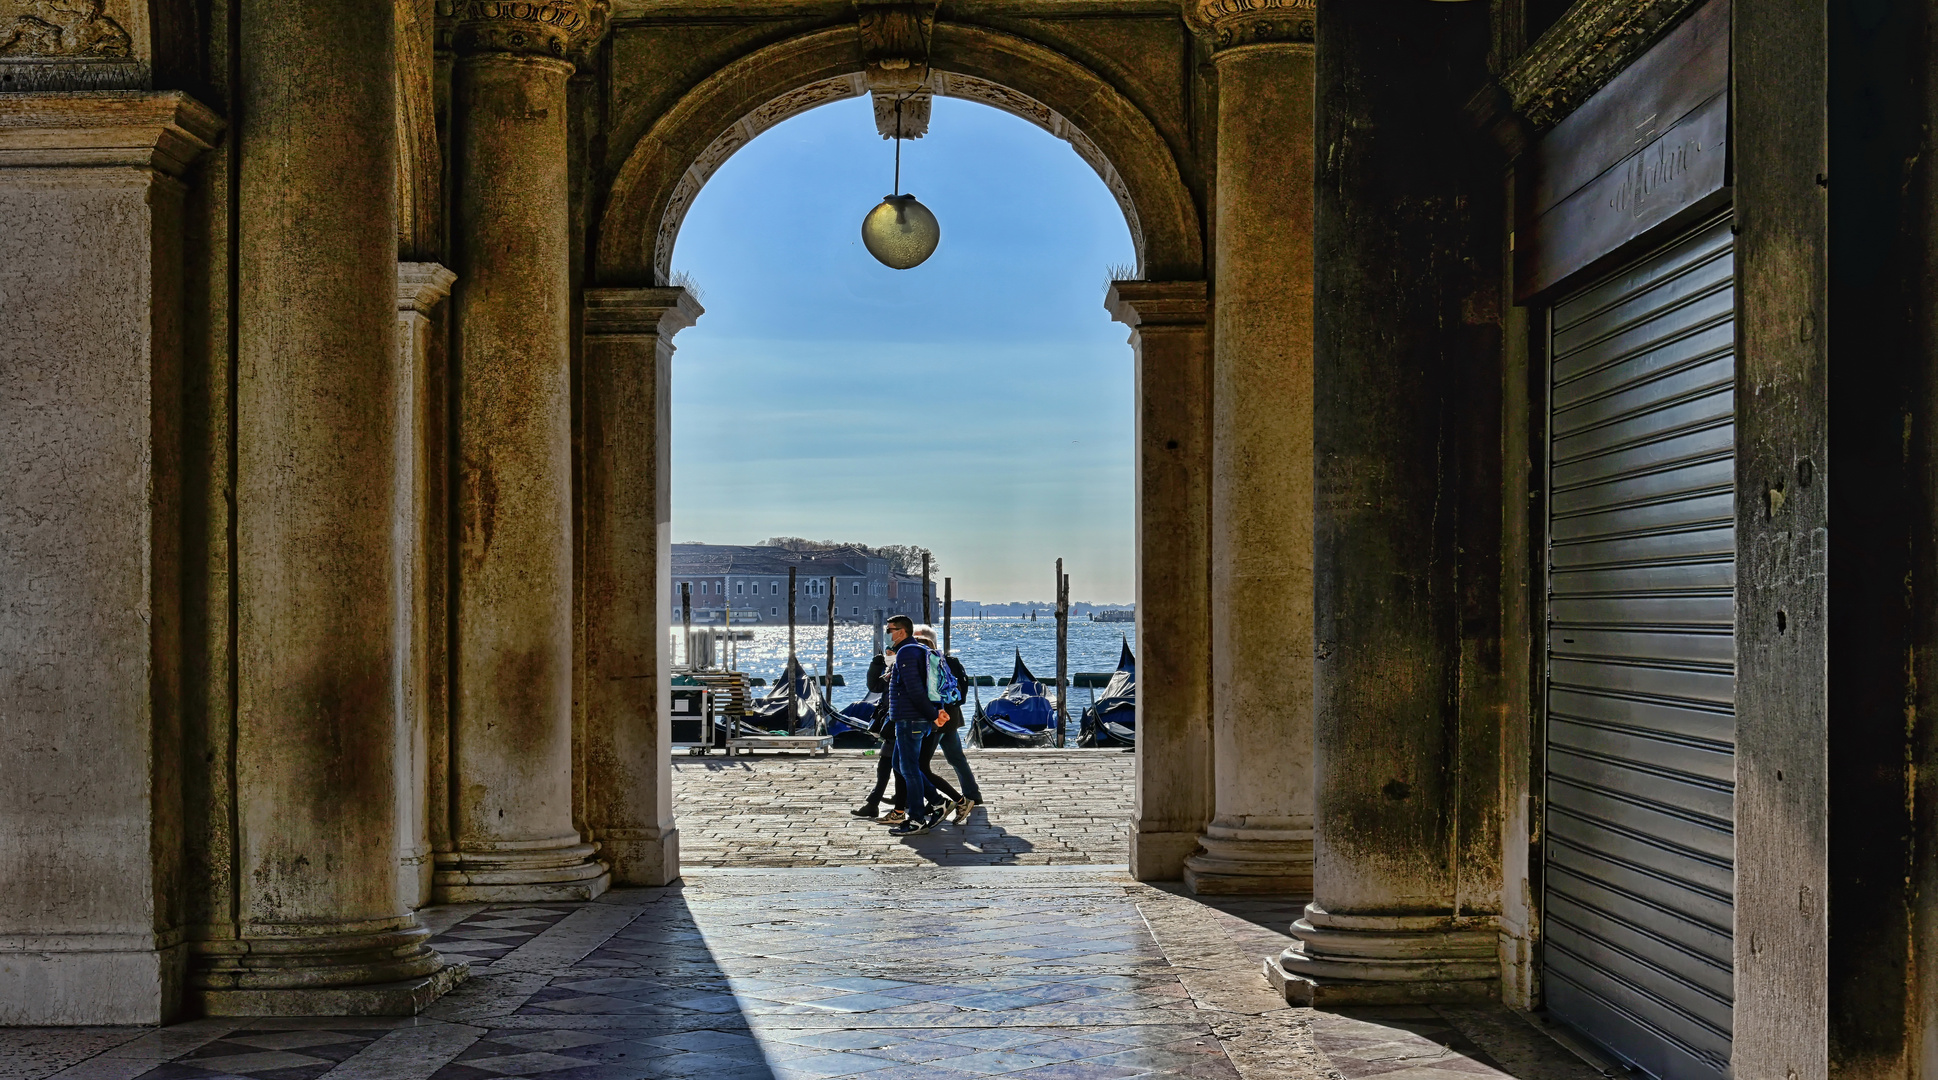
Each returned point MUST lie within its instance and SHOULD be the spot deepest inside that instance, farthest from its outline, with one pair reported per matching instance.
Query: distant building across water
(747, 585)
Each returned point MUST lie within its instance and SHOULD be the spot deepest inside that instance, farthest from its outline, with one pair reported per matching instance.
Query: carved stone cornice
(162, 131)
(662, 310)
(1590, 44)
(561, 29)
(1232, 23)
(421, 286)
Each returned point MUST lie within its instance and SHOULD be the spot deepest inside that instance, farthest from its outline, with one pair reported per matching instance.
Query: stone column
(628, 546)
(1172, 800)
(91, 311)
(1260, 837)
(511, 752)
(420, 288)
(1407, 360)
(320, 926)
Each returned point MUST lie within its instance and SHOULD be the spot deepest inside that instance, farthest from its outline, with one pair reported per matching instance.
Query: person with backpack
(911, 714)
(949, 737)
(885, 762)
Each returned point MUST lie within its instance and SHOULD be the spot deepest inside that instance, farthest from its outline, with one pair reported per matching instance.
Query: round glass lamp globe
(900, 232)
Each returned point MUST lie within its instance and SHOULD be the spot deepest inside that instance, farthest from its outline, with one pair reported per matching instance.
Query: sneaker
(909, 828)
(869, 811)
(893, 817)
(963, 810)
(935, 817)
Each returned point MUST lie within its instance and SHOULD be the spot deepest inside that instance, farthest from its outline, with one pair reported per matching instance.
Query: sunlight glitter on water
(985, 646)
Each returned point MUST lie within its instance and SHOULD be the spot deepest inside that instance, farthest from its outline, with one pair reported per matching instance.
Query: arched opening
(665, 159)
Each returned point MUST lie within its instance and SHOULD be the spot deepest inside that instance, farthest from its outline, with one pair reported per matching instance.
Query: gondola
(1111, 719)
(768, 714)
(1022, 716)
(850, 725)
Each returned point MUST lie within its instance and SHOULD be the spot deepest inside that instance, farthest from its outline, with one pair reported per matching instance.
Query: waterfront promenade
(1044, 807)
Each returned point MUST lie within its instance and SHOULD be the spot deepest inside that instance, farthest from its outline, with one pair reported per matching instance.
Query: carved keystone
(895, 38)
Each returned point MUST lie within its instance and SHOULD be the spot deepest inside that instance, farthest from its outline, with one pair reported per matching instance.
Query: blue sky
(978, 405)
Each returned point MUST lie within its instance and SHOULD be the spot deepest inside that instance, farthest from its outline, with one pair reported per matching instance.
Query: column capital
(1232, 23)
(560, 29)
(422, 285)
(161, 131)
(1158, 303)
(660, 310)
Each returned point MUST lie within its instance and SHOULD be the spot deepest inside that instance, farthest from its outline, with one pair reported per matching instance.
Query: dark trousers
(951, 743)
(885, 768)
(930, 741)
(909, 735)
(935, 783)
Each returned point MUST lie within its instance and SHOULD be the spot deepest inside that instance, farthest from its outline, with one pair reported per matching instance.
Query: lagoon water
(985, 647)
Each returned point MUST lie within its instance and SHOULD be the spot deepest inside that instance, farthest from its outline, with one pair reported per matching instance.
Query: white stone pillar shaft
(91, 309)
(628, 543)
(1260, 837)
(420, 288)
(511, 753)
(317, 587)
(1172, 799)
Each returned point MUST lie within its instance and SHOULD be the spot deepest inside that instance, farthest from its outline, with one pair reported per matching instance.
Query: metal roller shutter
(1641, 727)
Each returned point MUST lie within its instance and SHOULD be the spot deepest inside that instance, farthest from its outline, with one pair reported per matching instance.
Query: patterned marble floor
(876, 973)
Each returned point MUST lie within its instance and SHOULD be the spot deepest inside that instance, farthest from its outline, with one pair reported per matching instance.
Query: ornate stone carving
(740, 134)
(895, 42)
(913, 121)
(62, 29)
(558, 28)
(1589, 45)
(1231, 23)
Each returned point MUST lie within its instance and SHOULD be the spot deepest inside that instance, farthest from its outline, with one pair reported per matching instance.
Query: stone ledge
(162, 131)
(406, 998)
(1341, 993)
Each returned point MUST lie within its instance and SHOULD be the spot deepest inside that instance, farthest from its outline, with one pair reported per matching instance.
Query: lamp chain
(898, 146)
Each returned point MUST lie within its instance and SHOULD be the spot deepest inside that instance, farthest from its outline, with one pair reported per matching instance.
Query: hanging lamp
(900, 232)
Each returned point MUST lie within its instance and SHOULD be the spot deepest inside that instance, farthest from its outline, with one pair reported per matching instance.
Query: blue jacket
(908, 687)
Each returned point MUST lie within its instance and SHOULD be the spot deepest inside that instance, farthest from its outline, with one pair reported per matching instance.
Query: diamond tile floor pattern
(875, 973)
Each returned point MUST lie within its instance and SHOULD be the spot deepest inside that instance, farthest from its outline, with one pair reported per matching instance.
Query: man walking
(949, 737)
(878, 672)
(911, 715)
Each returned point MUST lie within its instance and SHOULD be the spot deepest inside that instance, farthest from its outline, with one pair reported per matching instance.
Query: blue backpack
(943, 688)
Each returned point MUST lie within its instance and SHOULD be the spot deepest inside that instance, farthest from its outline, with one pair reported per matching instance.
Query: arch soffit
(663, 172)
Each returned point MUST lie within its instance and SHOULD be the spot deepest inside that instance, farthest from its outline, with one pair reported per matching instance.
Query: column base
(406, 997)
(1245, 859)
(519, 875)
(1344, 960)
(85, 979)
(1159, 856)
(642, 856)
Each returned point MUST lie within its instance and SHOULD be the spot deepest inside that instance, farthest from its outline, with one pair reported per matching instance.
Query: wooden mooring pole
(686, 623)
(787, 673)
(827, 685)
(925, 589)
(948, 611)
(1062, 650)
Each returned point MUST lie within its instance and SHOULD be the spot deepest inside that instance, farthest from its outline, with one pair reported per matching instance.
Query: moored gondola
(1022, 716)
(769, 714)
(1111, 719)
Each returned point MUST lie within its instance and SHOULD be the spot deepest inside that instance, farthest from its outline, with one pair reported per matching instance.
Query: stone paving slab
(855, 973)
(1041, 807)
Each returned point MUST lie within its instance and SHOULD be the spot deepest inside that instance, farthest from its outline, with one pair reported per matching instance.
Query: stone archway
(672, 159)
(663, 159)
